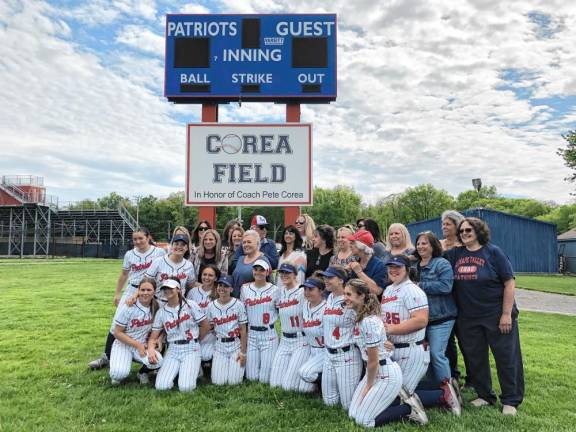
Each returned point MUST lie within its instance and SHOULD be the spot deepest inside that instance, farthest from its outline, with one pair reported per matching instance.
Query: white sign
(249, 164)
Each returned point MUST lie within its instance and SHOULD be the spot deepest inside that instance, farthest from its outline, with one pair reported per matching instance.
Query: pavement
(537, 301)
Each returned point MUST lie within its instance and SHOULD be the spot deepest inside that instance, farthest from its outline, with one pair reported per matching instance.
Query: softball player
(228, 317)
(293, 350)
(203, 296)
(405, 316)
(312, 316)
(184, 323)
(136, 262)
(382, 382)
(174, 265)
(343, 366)
(133, 325)
(260, 299)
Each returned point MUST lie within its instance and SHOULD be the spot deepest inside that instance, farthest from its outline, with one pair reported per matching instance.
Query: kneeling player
(228, 317)
(132, 327)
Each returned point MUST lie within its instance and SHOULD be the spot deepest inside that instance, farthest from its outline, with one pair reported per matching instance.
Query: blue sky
(429, 92)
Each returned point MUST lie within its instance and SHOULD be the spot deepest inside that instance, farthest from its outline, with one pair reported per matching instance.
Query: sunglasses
(203, 228)
(299, 222)
(360, 226)
(465, 230)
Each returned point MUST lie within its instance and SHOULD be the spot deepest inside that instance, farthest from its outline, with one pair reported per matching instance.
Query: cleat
(456, 387)
(451, 398)
(99, 363)
(417, 413)
(479, 403)
(143, 378)
(115, 382)
(509, 410)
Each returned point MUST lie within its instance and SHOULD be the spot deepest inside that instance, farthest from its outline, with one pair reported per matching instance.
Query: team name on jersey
(255, 302)
(293, 302)
(204, 304)
(389, 299)
(312, 323)
(164, 276)
(221, 321)
(141, 323)
(171, 324)
(356, 331)
(139, 267)
(335, 311)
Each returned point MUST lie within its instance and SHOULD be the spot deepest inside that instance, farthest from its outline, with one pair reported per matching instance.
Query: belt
(380, 362)
(227, 339)
(262, 328)
(184, 341)
(337, 350)
(406, 345)
(291, 335)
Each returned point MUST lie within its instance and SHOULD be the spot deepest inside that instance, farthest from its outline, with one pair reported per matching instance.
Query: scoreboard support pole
(209, 115)
(292, 116)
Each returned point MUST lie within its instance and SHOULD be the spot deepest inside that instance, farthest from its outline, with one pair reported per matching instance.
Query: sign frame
(268, 203)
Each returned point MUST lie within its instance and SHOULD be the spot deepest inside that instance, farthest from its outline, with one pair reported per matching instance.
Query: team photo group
(372, 323)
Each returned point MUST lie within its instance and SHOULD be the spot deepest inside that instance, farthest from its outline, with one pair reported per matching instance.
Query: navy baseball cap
(313, 283)
(398, 261)
(225, 280)
(335, 271)
(287, 268)
(181, 237)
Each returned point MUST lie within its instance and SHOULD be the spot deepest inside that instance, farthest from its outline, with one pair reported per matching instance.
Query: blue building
(530, 244)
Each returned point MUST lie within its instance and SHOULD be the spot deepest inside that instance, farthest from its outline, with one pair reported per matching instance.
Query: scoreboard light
(227, 58)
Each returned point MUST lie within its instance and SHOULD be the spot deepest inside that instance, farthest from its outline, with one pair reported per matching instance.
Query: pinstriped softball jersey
(260, 303)
(136, 319)
(338, 323)
(369, 333)
(163, 268)
(398, 302)
(180, 323)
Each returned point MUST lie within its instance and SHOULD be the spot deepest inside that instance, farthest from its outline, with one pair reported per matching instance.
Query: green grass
(55, 318)
(558, 284)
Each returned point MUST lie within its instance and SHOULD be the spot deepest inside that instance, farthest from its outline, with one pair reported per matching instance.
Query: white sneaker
(456, 386)
(143, 378)
(479, 403)
(451, 398)
(509, 410)
(115, 382)
(417, 413)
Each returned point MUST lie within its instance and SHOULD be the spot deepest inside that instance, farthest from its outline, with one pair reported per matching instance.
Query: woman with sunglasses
(185, 325)
(260, 299)
(343, 255)
(312, 316)
(197, 235)
(291, 252)
(293, 349)
(372, 227)
(306, 228)
(487, 315)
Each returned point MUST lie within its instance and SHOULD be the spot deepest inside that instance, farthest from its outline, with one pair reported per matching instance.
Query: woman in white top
(292, 252)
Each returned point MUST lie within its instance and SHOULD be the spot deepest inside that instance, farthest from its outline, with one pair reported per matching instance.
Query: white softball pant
(122, 357)
(292, 353)
(207, 347)
(313, 366)
(225, 366)
(181, 360)
(413, 361)
(384, 390)
(340, 376)
(262, 347)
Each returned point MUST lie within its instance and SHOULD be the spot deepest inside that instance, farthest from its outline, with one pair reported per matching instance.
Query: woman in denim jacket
(436, 278)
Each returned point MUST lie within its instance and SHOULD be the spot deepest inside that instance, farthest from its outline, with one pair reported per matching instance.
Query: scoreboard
(224, 58)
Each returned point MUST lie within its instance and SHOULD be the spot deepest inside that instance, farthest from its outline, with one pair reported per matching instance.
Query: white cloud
(421, 97)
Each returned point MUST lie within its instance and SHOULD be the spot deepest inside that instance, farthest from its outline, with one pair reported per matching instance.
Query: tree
(424, 202)
(569, 154)
(336, 207)
(471, 199)
(112, 201)
(563, 216)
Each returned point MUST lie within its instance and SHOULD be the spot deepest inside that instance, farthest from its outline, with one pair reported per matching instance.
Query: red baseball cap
(362, 236)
